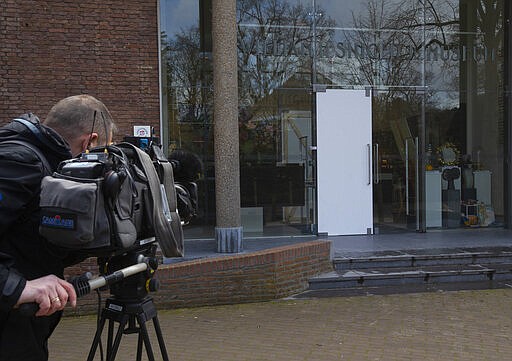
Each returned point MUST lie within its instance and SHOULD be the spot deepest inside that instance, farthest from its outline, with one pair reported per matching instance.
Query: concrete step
(402, 289)
(498, 256)
(418, 267)
(411, 275)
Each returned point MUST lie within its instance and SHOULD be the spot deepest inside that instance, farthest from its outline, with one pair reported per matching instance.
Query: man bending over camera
(31, 269)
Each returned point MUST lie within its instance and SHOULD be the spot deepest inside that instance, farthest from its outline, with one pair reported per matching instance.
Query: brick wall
(260, 276)
(56, 48)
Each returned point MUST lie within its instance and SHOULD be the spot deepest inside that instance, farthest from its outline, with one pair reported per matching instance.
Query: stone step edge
(454, 277)
(336, 277)
(403, 288)
(416, 258)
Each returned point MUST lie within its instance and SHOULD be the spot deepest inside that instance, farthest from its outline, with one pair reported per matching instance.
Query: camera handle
(84, 284)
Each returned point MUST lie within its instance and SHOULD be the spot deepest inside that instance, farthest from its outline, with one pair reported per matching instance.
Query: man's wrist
(12, 290)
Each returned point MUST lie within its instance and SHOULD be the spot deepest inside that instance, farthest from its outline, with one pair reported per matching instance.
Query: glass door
(396, 129)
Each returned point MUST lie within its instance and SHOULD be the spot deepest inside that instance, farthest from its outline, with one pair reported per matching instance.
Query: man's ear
(90, 141)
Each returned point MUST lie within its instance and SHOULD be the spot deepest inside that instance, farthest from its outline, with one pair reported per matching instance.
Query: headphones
(113, 180)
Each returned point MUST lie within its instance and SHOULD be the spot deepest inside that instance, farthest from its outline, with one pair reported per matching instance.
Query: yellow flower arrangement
(448, 154)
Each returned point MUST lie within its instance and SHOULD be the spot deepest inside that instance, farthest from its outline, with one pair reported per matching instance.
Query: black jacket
(24, 255)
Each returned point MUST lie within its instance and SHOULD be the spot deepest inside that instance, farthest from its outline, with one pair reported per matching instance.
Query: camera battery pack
(90, 170)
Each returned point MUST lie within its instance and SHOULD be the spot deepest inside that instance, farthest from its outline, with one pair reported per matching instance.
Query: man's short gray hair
(82, 114)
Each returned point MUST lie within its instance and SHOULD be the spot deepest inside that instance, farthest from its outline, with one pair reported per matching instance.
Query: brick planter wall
(260, 276)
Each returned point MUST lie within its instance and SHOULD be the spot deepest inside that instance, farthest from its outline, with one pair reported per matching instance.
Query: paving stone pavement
(462, 325)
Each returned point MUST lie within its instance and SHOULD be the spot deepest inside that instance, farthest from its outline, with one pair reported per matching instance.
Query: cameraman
(31, 270)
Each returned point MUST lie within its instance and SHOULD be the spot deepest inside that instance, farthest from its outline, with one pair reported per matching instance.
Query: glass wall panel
(274, 48)
(464, 105)
(187, 97)
(434, 70)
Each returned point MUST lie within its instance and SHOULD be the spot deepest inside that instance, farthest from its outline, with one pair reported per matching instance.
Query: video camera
(118, 198)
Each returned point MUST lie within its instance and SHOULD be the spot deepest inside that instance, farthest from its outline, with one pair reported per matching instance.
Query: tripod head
(137, 286)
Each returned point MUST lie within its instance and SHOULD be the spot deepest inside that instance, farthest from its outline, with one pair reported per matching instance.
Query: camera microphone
(187, 168)
(186, 165)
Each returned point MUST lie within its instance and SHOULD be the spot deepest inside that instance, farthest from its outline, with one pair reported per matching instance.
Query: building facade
(355, 117)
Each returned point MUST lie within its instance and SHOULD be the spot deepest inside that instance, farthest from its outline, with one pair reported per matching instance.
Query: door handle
(417, 180)
(369, 164)
(376, 164)
(407, 177)
(415, 171)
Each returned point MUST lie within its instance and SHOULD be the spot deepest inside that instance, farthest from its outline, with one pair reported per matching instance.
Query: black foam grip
(81, 284)
(28, 309)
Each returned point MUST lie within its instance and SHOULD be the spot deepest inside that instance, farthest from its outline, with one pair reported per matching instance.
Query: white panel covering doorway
(344, 162)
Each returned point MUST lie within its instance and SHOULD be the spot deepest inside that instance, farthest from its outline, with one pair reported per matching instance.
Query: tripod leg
(97, 339)
(145, 335)
(110, 336)
(117, 340)
(160, 338)
(139, 347)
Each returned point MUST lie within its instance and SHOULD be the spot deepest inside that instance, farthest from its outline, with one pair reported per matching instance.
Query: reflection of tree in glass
(185, 74)
(489, 22)
(387, 47)
(188, 94)
(275, 50)
(274, 43)
(389, 39)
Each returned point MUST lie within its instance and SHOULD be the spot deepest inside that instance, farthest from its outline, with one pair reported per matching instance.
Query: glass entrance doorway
(396, 129)
(375, 142)
(435, 73)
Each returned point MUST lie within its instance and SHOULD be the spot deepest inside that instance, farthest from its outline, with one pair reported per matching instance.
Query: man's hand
(50, 293)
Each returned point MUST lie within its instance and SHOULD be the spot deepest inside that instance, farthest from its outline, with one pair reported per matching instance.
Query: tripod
(132, 317)
(129, 304)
